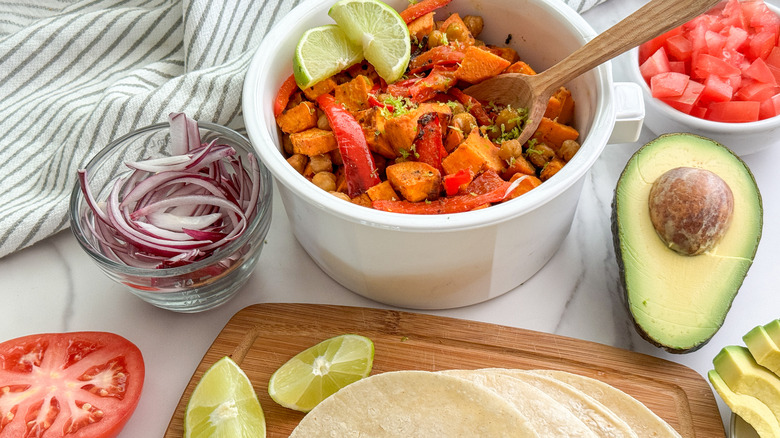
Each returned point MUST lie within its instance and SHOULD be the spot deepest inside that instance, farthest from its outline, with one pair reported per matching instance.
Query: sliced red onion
(176, 210)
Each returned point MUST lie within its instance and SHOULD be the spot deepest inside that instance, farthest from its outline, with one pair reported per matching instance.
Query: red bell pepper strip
(283, 96)
(428, 143)
(373, 101)
(360, 171)
(417, 10)
(454, 181)
(403, 88)
(439, 55)
(474, 107)
(446, 205)
(439, 80)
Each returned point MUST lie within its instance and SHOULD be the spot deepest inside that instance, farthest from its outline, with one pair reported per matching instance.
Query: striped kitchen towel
(76, 74)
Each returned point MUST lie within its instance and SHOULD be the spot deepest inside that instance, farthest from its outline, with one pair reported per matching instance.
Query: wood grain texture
(264, 336)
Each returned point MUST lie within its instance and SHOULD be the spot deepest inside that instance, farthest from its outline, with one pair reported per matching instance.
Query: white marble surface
(54, 287)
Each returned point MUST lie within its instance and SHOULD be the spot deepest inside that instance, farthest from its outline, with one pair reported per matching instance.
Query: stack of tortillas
(489, 402)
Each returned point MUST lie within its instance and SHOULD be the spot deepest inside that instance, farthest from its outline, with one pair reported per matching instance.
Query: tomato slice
(68, 385)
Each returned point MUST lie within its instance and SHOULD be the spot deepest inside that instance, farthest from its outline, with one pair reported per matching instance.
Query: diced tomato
(770, 107)
(756, 91)
(650, 47)
(668, 84)
(761, 15)
(688, 99)
(705, 65)
(759, 70)
(761, 44)
(658, 62)
(731, 54)
(679, 48)
(734, 111)
(75, 385)
(678, 67)
(716, 90)
(733, 16)
(773, 60)
(715, 42)
(736, 38)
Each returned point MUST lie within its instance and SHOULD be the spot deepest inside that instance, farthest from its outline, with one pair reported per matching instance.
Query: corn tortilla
(408, 404)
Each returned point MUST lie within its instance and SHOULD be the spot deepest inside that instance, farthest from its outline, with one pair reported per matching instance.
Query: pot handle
(629, 112)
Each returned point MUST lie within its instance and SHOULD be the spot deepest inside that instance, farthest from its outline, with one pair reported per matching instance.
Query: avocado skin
(614, 226)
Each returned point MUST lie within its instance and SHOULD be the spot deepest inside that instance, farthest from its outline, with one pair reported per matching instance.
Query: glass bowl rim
(262, 215)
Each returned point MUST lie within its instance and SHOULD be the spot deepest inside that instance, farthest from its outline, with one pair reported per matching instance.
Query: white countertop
(55, 287)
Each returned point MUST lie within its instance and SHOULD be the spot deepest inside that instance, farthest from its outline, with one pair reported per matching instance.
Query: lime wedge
(319, 371)
(322, 52)
(224, 404)
(379, 30)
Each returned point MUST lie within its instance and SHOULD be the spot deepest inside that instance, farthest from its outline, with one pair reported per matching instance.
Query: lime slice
(379, 30)
(319, 371)
(322, 52)
(224, 404)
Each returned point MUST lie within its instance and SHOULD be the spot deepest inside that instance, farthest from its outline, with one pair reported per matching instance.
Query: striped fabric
(76, 74)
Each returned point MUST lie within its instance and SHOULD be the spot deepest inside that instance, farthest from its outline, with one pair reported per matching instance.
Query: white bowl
(442, 261)
(741, 138)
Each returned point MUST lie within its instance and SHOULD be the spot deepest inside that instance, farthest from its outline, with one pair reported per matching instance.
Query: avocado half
(678, 302)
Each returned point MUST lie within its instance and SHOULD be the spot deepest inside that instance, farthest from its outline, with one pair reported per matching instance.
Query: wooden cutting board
(264, 336)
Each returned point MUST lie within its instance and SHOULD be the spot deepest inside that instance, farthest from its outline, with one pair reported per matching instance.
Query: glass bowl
(195, 287)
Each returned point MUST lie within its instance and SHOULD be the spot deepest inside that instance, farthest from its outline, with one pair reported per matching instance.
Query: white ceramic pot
(442, 261)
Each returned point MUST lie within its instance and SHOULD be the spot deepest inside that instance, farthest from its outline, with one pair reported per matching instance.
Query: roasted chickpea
(321, 163)
(436, 38)
(456, 32)
(465, 122)
(506, 120)
(298, 162)
(322, 120)
(341, 195)
(287, 145)
(539, 154)
(456, 107)
(568, 149)
(510, 149)
(474, 23)
(325, 180)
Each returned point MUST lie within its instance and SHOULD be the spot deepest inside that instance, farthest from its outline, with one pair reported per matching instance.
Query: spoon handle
(647, 22)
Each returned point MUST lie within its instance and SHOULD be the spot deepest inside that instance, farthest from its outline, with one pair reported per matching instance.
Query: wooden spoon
(534, 91)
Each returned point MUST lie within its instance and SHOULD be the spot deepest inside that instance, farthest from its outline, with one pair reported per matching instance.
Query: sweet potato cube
(551, 168)
(354, 94)
(373, 124)
(313, 141)
(518, 165)
(363, 200)
(383, 190)
(415, 180)
(298, 118)
(560, 106)
(479, 64)
(321, 87)
(507, 53)
(527, 183)
(400, 132)
(453, 139)
(520, 67)
(475, 153)
(554, 134)
(456, 30)
(421, 27)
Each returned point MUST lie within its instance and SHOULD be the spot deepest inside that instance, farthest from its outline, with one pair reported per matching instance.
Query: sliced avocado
(678, 302)
(744, 376)
(752, 410)
(763, 348)
(773, 330)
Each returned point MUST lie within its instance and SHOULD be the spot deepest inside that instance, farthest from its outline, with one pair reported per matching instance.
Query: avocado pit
(690, 209)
